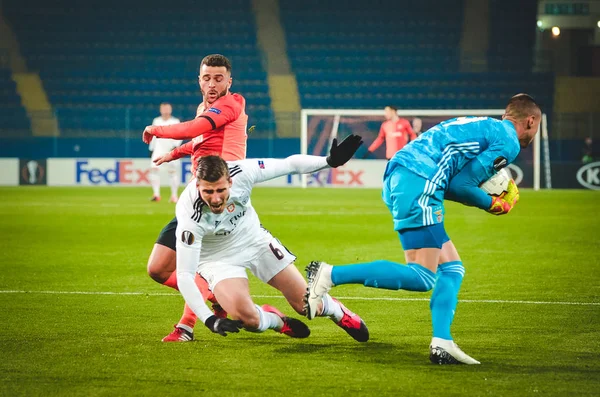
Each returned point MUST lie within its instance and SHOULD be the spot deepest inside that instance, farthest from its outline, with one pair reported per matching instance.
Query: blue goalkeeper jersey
(443, 150)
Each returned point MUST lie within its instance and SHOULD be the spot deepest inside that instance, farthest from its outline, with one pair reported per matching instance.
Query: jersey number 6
(276, 251)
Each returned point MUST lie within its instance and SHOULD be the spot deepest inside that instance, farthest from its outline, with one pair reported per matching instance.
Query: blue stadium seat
(406, 53)
(107, 70)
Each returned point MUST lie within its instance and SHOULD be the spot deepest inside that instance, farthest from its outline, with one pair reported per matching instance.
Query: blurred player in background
(218, 129)
(159, 147)
(417, 125)
(588, 151)
(220, 236)
(395, 131)
(450, 160)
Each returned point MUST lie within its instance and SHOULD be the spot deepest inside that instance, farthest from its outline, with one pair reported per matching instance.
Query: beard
(220, 94)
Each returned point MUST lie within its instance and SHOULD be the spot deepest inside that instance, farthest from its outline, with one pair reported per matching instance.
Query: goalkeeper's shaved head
(522, 106)
(526, 115)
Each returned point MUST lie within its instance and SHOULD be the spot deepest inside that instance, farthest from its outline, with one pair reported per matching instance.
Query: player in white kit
(220, 236)
(158, 148)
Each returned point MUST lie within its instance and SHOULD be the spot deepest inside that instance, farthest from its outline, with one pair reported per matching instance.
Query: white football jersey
(162, 146)
(203, 236)
(224, 234)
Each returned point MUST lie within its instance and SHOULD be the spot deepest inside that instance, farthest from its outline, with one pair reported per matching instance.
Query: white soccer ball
(497, 184)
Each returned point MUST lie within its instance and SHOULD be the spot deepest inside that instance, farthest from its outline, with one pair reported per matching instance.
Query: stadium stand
(403, 53)
(13, 115)
(106, 69)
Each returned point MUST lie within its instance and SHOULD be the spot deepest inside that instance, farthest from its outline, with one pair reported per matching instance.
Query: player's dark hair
(165, 103)
(211, 169)
(394, 108)
(522, 106)
(216, 60)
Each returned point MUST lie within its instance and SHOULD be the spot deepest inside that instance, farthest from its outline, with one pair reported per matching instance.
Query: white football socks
(174, 179)
(331, 309)
(155, 181)
(268, 320)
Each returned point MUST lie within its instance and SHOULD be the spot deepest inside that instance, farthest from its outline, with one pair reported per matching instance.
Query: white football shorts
(265, 258)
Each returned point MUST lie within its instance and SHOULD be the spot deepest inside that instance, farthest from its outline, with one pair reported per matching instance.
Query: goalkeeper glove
(503, 204)
(499, 206)
(223, 325)
(512, 193)
(340, 154)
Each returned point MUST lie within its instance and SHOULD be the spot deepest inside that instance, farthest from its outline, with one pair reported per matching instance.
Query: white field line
(282, 212)
(363, 298)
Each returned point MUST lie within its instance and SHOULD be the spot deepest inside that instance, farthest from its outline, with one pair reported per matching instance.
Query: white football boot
(443, 351)
(319, 283)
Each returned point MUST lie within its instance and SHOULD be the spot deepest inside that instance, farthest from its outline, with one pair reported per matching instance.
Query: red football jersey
(396, 135)
(218, 130)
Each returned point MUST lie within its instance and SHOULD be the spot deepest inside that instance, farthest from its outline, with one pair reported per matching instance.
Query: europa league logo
(32, 167)
(33, 172)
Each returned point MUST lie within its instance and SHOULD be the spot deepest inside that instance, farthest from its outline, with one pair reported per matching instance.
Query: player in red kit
(396, 132)
(218, 129)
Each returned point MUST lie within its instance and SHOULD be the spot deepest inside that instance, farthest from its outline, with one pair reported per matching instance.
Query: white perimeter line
(360, 298)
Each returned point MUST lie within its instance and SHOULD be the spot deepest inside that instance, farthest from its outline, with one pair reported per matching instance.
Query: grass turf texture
(98, 239)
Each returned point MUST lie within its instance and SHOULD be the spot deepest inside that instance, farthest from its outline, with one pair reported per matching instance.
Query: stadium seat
(106, 70)
(405, 53)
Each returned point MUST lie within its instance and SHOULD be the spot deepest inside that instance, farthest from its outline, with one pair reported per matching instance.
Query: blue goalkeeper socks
(445, 297)
(385, 274)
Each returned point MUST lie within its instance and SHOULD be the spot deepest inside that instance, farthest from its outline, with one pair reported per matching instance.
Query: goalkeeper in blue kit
(449, 161)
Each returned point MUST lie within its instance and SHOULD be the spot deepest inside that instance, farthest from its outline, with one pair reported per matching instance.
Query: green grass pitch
(530, 307)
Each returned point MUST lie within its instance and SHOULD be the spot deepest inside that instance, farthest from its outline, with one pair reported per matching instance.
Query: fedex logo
(333, 176)
(186, 172)
(123, 172)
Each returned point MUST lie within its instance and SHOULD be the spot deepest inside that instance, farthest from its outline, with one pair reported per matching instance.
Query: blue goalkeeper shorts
(417, 207)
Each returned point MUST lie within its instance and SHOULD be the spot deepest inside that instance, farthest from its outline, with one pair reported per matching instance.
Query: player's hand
(340, 154)
(163, 159)
(222, 326)
(499, 206)
(148, 134)
(503, 204)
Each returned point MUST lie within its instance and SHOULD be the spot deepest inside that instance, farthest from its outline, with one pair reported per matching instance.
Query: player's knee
(157, 271)
(157, 276)
(423, 278)
(454, 269)
(161, 264)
